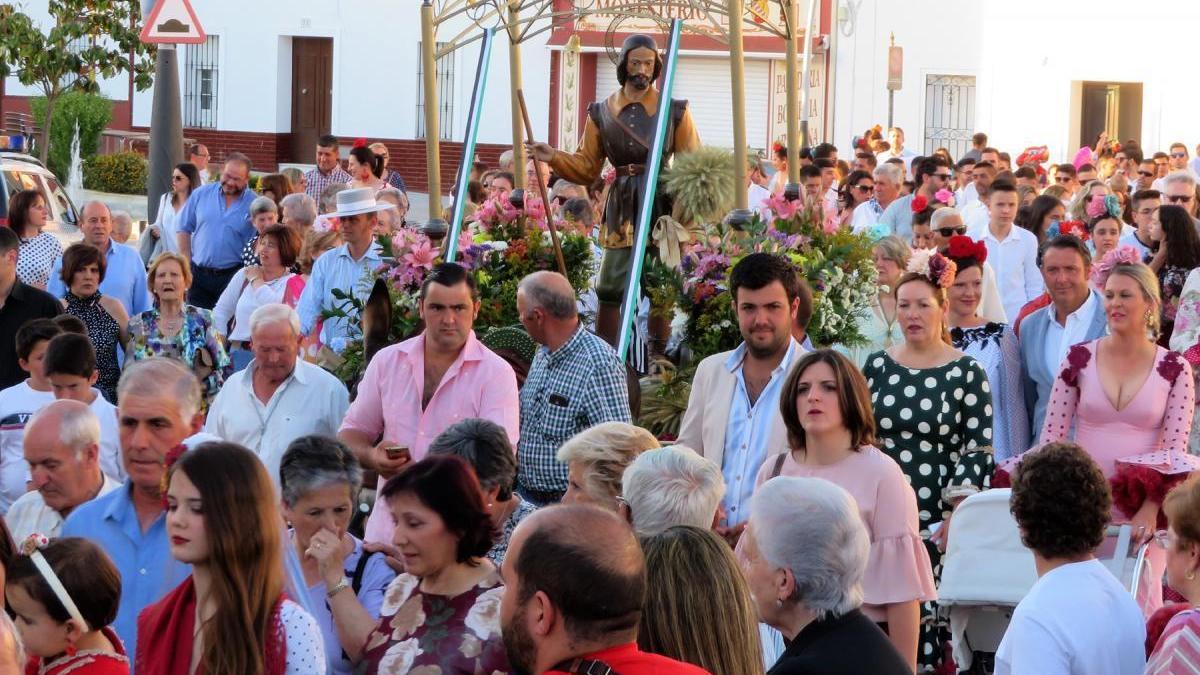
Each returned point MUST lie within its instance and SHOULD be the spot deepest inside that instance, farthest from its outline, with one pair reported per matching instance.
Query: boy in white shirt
(19, 402)
(1012, 251)
(70, 366)
(1077, 619)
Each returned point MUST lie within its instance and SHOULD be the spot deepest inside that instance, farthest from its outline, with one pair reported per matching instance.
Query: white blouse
(239, 300)
(305, 648)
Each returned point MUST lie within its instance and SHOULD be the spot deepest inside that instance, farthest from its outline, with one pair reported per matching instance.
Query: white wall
(375, 65)
(1025, 55)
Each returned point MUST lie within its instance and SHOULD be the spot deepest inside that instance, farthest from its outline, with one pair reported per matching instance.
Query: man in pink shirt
(413, 391)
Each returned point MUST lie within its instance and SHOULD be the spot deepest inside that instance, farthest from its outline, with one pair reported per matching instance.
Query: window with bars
(445, 86)
(201, 69)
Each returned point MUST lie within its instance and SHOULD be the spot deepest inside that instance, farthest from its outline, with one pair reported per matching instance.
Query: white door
(704, 83)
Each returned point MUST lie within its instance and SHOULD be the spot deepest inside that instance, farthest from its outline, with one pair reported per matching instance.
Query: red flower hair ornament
(360, 143)
(919, 203)
(962, 247)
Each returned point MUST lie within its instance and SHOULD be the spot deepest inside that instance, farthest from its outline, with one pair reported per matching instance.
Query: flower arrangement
(836, 262)
(1121, 255)
(934, 266)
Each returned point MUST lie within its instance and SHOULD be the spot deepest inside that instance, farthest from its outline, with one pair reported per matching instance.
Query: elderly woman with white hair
(805, 554)
(597, 458)
(298, 211)
(670, 486)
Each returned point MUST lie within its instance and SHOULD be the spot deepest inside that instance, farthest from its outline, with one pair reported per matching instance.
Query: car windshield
(66, 210)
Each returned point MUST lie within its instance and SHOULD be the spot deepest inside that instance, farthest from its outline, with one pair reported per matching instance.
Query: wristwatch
(341, 585)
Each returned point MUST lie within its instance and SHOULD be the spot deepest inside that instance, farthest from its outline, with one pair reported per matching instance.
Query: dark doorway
(312, 94)
(1115, 107)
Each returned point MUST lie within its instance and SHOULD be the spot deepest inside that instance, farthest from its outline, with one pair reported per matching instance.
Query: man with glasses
(1143, 177)
(948, 222)
(885, 190)
(964, 182)
(930, 174)
(1145, 203)
(214, 227)
(198, 157)
(1067, 177)
(1180, 190)
(1177, 160)
(975, 213)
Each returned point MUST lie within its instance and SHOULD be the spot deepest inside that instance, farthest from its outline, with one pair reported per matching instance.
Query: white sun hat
(358, 200)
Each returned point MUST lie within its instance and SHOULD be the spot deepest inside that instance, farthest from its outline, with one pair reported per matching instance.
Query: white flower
(397, 592)
(484, 617)
(498, 245)
(399, 658)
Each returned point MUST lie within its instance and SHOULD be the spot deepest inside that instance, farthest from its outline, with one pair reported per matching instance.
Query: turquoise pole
(468, 156)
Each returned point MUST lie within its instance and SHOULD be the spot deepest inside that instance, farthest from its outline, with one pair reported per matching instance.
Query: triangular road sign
(172, 21)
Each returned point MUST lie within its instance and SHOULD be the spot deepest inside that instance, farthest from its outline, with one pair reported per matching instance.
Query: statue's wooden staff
(537, 167)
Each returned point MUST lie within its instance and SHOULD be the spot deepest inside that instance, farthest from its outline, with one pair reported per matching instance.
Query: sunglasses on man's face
(943, 176)
(1062, 179)
(951, 231)
(865, 188)
(1179, 155)
(1145, 174)
(1179, 199)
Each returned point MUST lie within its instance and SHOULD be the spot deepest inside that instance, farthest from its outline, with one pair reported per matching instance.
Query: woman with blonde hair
(679, 623)
(879, 326)
(1129, 403)
(596, 459)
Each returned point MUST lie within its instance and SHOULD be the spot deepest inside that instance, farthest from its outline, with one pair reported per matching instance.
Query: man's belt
(630, 170)
(216, 270)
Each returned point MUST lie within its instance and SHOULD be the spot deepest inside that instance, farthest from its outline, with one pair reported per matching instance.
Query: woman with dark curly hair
(1061, 502)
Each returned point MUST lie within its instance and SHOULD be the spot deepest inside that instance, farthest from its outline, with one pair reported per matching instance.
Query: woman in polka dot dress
(933, 410)
(1129, 403)
(27, 213)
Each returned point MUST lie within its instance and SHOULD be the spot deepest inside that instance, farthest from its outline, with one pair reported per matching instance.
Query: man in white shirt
(278, 397)
(1077, 619)
(975, 212)
(756, 188)
(888, 179)
(70, 365)
(62, 447)
(965, 192)
(1012, 250)
(897, 149)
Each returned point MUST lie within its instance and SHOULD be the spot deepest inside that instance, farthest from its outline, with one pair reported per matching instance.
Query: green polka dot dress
(937, 424)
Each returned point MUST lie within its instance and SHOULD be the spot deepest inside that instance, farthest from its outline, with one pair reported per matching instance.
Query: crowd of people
(184, 489)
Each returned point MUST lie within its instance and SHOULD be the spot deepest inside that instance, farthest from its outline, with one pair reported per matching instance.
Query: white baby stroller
(987, 570)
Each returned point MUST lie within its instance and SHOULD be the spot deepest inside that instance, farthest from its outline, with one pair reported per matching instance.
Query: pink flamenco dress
(1142, 447)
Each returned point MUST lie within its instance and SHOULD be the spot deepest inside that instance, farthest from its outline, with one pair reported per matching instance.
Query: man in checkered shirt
(575, 382)
(329, 169)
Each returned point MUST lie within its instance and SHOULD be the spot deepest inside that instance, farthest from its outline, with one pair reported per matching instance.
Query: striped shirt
(567, 391)
(337, 270)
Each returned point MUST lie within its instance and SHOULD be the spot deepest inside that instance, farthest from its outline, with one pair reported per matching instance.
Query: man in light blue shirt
(214, 227)
(129, 523)
(124, 275)
(733, 414)
(347, 269)
(931, 174)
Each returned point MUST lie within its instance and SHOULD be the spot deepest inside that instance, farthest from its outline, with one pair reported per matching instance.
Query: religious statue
(621, 129)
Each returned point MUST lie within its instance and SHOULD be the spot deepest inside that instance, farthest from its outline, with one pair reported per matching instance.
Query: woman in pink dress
(1130, 404)
(826, 407)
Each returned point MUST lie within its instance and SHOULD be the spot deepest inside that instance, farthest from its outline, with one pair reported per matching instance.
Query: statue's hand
(540, 151)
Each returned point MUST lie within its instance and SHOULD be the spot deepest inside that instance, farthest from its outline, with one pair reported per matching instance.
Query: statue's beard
(640, 82)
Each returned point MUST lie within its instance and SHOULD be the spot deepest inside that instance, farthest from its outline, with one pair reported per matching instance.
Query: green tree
(89, 40)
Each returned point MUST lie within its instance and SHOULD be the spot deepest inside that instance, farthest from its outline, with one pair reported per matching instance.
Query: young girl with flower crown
(64, 594)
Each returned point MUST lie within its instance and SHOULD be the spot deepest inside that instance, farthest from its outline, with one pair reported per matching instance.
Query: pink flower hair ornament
(937, 268)
(1121, 255)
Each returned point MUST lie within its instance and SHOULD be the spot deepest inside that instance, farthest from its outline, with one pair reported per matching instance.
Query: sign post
(166, 23)
(895, 74)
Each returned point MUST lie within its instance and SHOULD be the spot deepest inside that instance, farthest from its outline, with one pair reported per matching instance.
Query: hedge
(122, 172)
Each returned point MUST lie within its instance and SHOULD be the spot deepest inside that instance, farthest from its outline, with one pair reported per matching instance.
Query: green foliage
(701, 183)
(93, 113)
(665, 398)
(88, 40)
(123, 173)
(663, 285)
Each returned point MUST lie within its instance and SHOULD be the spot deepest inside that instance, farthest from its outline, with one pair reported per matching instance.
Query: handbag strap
(778, 464)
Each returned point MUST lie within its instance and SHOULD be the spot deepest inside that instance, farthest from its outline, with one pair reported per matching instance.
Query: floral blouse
(1172, 280)
(198, 333)
(423, 633)
(1185, 339)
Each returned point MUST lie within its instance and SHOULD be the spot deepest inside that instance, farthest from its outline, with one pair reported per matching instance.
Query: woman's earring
(1149, 318)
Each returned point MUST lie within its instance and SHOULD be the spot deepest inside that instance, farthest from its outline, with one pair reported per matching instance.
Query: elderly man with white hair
(888, 180)
(805, 554)
(948, 222)
(670, 486)
(62, 447)
(1179, 189)
(278, 397)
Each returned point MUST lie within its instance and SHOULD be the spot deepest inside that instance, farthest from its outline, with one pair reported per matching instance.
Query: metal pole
(514, 81)
(433, 132)
(891, 106)
(166, 124)
(472, 135)
(633, 290)
(793, 91)
(812, 12)
(737, 81)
